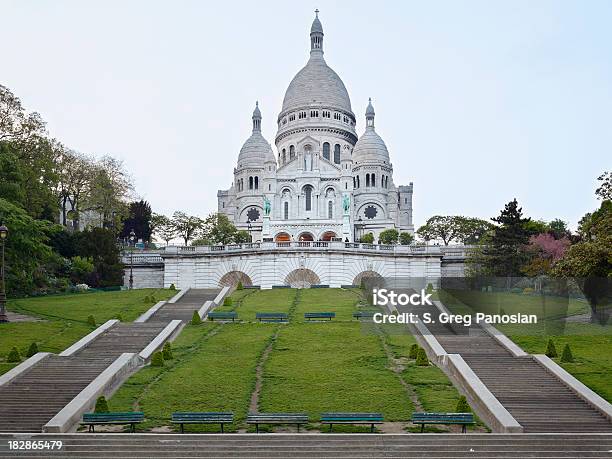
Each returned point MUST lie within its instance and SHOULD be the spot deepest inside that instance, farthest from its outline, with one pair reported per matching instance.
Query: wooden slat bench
(364, 314)
(352, 418)
(119, 418)
(230, 315)
(462, 419)
(188, 417)
(277, 418)
(271, 316)
(319, 315)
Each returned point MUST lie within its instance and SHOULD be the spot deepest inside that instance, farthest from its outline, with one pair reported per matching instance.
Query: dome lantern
(316, 35)
(256, 118)
(370, 114)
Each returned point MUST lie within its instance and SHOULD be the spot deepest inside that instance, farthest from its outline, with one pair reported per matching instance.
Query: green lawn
(313, 367)
(64, 318)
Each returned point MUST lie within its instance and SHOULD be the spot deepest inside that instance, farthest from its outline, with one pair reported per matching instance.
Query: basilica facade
(324, 182)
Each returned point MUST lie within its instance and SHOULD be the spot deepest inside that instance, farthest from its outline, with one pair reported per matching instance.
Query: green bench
(462, 419)
(188, 417)
(319, 315)
(271, 316)
(277, 418)
(352, 418)
(132, 418)
(364, 314)
(223, 316)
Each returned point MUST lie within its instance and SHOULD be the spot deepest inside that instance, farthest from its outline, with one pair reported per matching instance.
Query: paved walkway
(29, 401)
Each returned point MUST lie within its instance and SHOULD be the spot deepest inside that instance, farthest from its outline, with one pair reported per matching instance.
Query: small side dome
(370, 147)
(256, 150)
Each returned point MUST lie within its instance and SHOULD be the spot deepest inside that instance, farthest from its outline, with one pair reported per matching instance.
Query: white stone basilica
(324, 183)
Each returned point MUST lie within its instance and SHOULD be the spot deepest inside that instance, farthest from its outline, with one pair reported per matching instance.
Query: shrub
(146, 299)
(91, 320)
(195, 319)
(367, 238)
(406, 238)
(422, 359)
(462, 405)
(228, 302)
(566, 355)
(239, 286)
(389, 236)
(429, 288)
(167, 351)
(172, 287)
(157, 360)
(414, 351)
(153, 299)
(33, 349)
(101, 405)
(14, 356)
(551, 350)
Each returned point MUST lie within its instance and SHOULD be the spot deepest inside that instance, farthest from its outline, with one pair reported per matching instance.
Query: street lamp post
(3, 235)
(132, 238)
(249, 227)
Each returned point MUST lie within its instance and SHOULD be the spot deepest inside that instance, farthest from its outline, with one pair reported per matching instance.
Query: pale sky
(478, 101)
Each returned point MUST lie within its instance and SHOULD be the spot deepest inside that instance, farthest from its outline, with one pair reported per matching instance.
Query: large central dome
(316, 83)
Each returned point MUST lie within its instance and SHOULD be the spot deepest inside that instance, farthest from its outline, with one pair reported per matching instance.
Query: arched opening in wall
(328, 235)
(305, 237)
(232, 278)
(369, 278)
(282, 237)
(302, 278)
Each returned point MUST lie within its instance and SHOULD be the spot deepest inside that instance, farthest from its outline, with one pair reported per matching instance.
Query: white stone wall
(145, 277)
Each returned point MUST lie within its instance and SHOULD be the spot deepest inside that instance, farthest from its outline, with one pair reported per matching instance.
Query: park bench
(319, 315)
(231, 315)
(187, 417)
(443, 418)
(271, 316)
(364, 314)
(277, 418)
(319, 286)
(132, 418)
(352, 418)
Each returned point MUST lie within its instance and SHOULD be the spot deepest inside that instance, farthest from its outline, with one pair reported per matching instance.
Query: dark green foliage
(157, 360)
(139, 220)
(389, 236)
(566, 355)
(101, 405)
(91, 320)
(195, 319)
(239, 286)
(462, 405)
(551, 350)
(414, 351)
(153, 299)
(167, 351)
(172, 287)
(367, 238)
(422, 359)
(146, 299)
(100, 245)
(14, 356)
(119, 317)
(406, 238)
(33, 349)
(227, 301)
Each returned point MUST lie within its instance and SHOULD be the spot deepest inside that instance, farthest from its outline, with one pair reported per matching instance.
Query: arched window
(330, 209)
(326, 150)
(373, 180)
(308, 196)
(286, 210)
(250, 183)
(291, 152)
(337, 153)
(357, 181)
(256, 183)
(367, 180)
(284, 156)
(354, 183)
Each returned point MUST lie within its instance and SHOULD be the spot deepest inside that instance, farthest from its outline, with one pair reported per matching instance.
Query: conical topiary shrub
(462, 405)
(157, 360)
(91, 320)
(195, 319)
(33, 349)
(14, 356)
(167, 351)
(414, 350)
(228, 302)
(101, 405)
(146, 299)
(172, 287)
(551, 350)
(239, 286)
(422, 359)
(566, 355)
(153, 299)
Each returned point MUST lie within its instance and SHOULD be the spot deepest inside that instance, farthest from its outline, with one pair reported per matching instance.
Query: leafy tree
(11, 177)
(367, 238)
(389, 236)
(100, 245)
(186, 226)
(163, 227)
(81, 269)
(440, 227)
(138, 220)
(558, 228)
(406, 238)
(472, 230)
(242, 236)
(604, 191)
(218, 229)
(544, 251)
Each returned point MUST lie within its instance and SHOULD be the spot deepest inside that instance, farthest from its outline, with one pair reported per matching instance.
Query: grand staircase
(184, 307)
